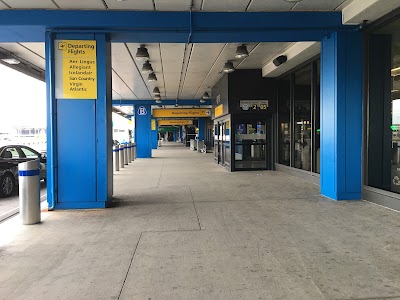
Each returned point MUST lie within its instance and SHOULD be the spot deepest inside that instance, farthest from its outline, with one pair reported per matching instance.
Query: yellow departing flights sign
(175, 122)
(76, 69)
(181, 113)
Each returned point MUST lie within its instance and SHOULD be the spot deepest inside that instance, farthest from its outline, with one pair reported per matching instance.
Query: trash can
(200, 146)
(116, 157)
(29, 191)
(193, 145)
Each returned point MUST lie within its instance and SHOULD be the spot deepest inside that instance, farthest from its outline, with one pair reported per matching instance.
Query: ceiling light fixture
(202, 100)
(152, 77)
(157, 97)
(11, 61)
(142, 53)
(395, 72)
(147, 68)
(279, 60)
(156, 91)
(206, 95)
(228, 67)
(241, 51)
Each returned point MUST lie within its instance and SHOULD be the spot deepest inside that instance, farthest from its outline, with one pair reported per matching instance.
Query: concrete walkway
(184, 228)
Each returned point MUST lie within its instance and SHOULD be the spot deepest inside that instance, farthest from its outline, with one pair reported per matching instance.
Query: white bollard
(29, 191)
(116, 157)
(121, 156)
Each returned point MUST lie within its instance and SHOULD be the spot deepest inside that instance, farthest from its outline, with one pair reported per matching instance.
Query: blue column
(143, 131)
(154, 135)
(175, 133)
(341, 116)
(79, 139)
(201, 125)
(181, 133)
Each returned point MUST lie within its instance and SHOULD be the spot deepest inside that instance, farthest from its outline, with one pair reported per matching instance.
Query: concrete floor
(184, 228)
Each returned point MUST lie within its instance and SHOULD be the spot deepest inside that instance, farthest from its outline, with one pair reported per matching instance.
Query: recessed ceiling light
(241, 52)
(228, 67)
(11, 61)
(142, 53)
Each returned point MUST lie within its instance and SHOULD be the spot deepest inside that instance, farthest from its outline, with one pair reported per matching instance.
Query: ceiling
(184, 71)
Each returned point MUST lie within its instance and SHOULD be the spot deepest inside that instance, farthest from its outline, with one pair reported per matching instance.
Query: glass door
(251, 145)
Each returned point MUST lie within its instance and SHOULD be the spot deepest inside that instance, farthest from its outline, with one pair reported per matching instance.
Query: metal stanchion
(121, 156)
(129, 147)
(29, 191)
(116, 157)
(125, 154)
(132, 152)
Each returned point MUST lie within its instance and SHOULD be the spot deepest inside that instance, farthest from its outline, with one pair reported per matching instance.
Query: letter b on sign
(142, 111)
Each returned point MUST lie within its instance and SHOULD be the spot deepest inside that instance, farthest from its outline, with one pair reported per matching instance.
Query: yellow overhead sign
(219, 110)
(76, 69)
(181, 113)
(174, 122)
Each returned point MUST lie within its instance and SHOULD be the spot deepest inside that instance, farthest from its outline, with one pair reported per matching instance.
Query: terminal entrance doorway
(252, 144)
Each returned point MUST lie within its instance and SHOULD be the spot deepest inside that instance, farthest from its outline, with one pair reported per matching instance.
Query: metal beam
(164, 102)
(172, 27)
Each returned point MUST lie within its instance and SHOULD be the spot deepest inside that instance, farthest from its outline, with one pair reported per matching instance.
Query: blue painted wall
(341, 116)
(154, 137)
(143, 131)
(201, 125)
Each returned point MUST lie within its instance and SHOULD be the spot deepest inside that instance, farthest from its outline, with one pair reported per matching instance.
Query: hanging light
(241, 51)
(202, 100)
(206, 96)
(147, 68)
(142, 53)
(158, 101)
(157, 97)
(228, 67)
(156, 91)
(152, 77)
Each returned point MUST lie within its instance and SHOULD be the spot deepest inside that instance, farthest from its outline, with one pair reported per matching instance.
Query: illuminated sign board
(181, 113)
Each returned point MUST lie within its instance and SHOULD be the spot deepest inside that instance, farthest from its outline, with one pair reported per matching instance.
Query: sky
(22, 100)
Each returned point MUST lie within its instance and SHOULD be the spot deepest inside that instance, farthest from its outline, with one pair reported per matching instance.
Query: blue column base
(344, 196)
(82, 205)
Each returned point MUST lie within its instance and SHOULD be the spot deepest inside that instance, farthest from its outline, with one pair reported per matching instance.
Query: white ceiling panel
(271, 5)
(172, 57)
(23, 52)
(3, 6)
(225, 5)
(261, 55)
(155, 60)
(312, 5)
(38, 48)
(124, 66)
(121, 88)
(173, 5)
(86, 4)
(130, 5)
(37, 4)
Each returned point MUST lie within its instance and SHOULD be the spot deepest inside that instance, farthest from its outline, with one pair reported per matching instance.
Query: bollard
(29, 191)
(129, 147)
(121, 156)
(125, 154)
(132, 152)
(116, 157)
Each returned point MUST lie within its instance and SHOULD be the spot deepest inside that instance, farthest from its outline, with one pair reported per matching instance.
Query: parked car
(8, 178)
(13, 155)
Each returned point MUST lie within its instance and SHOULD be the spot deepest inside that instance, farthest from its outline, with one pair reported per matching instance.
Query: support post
(143, 131)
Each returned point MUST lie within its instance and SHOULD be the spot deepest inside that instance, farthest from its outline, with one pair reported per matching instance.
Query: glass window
(302, 119)
(284, 122)
(28, 153)
(383, 144)
(10, 152)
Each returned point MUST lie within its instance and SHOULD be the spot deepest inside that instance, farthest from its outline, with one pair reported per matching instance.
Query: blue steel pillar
(154, 135)
(181, 133)
(143, 131)
(341, 116)
(79, 139)
(201, 125)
